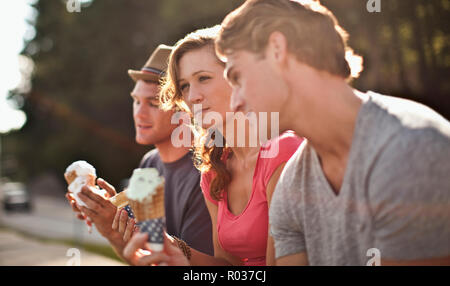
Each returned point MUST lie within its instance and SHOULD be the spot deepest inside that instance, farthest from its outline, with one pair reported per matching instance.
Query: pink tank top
(245, 235)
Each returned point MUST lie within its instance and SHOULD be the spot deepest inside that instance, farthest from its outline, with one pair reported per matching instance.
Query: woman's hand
(124, 225)
(137, 252)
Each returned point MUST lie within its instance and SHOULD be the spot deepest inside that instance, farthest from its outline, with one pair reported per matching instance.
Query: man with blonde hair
(187, 218)
(371, 183)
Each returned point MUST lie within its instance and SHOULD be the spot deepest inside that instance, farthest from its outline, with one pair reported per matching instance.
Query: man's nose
(237, 103)
(141, 111)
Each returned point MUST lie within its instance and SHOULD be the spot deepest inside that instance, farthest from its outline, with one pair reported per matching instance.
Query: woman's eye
(235, 78)
(183, 87)
(203, 78)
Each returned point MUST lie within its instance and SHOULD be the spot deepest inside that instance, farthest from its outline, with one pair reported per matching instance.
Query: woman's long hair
(207, 155)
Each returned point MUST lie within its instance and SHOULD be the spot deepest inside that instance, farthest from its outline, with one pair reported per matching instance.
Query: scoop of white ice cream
(76, 186)
(83, 170)
(143, 184)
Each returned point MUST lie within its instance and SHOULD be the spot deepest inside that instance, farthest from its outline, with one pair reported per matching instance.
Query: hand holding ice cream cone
(80, 174)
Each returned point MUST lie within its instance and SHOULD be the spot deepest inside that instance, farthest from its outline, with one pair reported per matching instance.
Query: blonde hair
(207, 156)
(312, 32)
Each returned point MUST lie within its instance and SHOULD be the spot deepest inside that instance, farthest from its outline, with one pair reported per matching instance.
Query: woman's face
(202, 84)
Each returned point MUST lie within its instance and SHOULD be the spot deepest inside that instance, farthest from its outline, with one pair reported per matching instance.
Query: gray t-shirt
(186, 214)
(395, 194)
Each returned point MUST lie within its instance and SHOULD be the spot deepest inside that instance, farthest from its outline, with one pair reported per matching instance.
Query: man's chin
(271, 136)
(144, 141)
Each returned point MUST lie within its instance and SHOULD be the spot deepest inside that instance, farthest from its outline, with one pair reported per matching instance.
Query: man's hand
(107, 187)
(73, 203)
(80, 215)
(111, 191)
(99, 209)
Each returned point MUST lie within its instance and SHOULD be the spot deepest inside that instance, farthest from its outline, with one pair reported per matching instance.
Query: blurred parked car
(15, 197)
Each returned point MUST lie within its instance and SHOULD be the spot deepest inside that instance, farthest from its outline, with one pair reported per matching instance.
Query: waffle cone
(120, 200)
(149, 208)
(70, 177)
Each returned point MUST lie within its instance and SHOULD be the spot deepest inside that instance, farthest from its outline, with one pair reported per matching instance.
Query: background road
(24, 236)
(51, 218)
(17, 250)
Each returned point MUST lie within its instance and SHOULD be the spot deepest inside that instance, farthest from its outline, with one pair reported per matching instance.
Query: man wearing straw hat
(187, 218)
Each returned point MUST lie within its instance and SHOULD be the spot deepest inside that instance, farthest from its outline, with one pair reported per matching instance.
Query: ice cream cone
(79, 174)
(151, 207)
(70, 177)
(146, 197)
(80, 169)
(120, 200)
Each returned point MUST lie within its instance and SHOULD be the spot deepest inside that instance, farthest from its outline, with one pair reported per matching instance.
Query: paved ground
(51, 218)
(18, 250)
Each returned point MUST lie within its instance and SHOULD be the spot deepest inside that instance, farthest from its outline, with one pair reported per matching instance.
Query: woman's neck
(247, 154)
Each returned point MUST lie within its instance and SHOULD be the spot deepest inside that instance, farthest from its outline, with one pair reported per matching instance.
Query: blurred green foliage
(406, 48)
(79, 106)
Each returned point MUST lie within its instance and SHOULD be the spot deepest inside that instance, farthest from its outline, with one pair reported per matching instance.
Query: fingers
(89, 212)
(153, 259)
(115, 224)
(136, 252)
(69, 196)
(138, 241)
(123, 220)
(129, 230)
(92, 205)
(107, 187)
(94, 201)
(169, 238)
(171, 255)
(170, 246)
(124, 225)
(92, 196)
(74, 206)
(72, 202)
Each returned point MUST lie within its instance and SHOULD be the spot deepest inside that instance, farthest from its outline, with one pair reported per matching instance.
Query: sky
(13, 30)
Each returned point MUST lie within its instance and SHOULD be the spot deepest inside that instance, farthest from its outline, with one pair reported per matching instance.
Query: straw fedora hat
(155, 67)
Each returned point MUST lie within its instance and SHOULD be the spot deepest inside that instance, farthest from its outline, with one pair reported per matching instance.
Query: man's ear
(277, 48)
